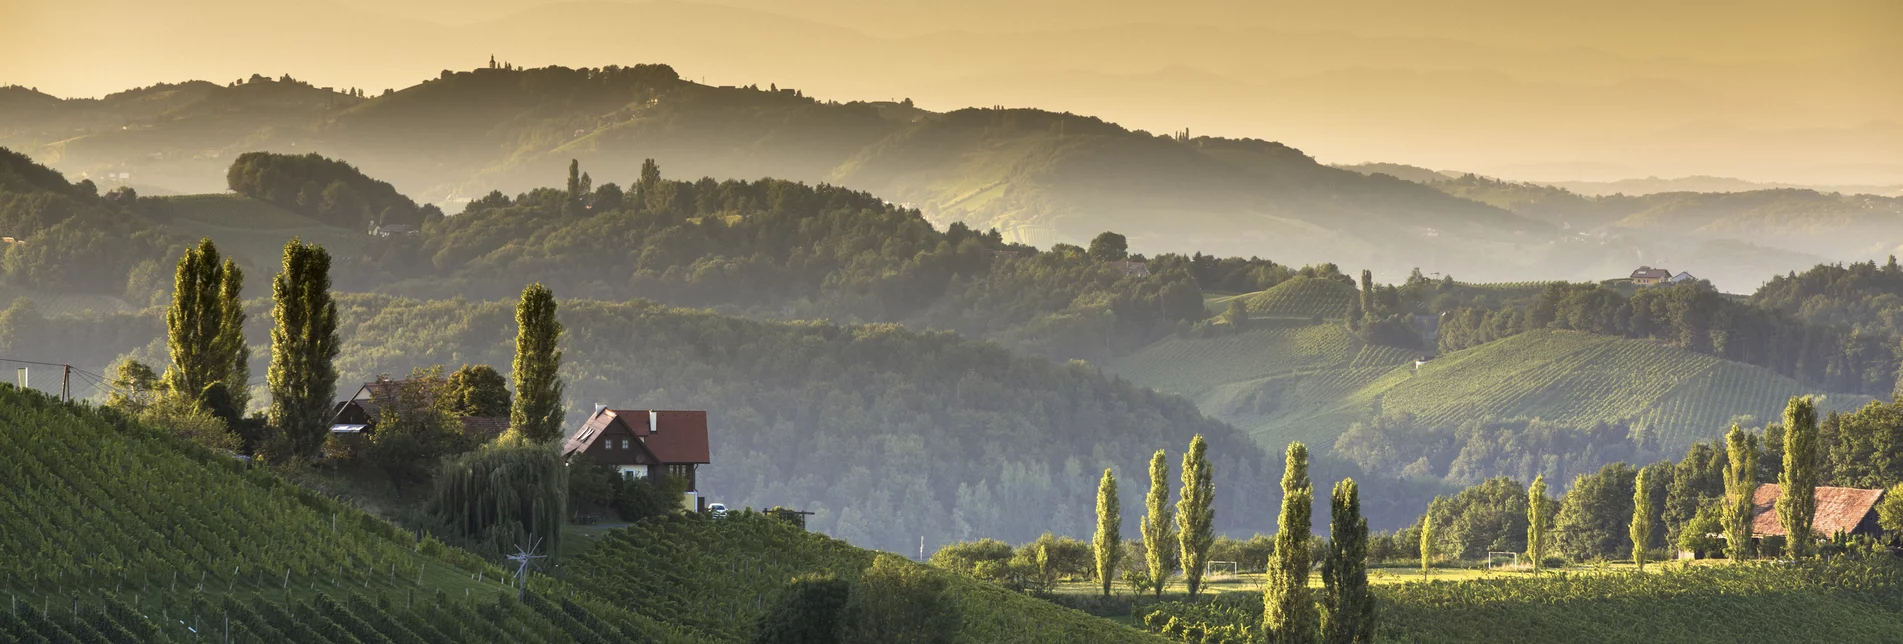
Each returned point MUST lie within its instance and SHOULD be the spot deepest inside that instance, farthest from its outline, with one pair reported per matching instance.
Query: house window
(624, 443)
(679, 470)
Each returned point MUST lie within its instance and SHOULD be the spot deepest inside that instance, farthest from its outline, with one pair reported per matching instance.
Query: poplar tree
(194, 323)
(1741, 483)
(1347, 613)
(1109, 540)
(1641, 529)
(537, 413)
(231, 346)
(1797, 484)
(1159, 534)
(1427, 539)
(1196, 513)
(1538, 523)
(1288, 612)
(302, 377)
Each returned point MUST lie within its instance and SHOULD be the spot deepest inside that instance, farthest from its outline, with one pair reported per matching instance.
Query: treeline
(328, 190)
(1468, 453)
(1862, 296)
(1698, 318)
(1685, 501)
(66, 236)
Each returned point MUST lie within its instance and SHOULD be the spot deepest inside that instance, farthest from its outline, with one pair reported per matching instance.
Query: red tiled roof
(1838, 509)
(682, 437)
(1645, 272)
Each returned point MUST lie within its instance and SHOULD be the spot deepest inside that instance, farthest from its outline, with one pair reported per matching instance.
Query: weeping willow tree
(498, 498)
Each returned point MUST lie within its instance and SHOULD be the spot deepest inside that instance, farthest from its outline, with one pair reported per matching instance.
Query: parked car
(718, 510)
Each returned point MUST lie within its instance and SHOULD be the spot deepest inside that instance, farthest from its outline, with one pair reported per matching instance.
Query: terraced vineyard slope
(1303, 297)
(716, 577)
(111, 531)
(1311, 382)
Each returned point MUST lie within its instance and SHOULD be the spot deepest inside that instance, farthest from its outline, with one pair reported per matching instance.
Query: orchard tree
(1797, 484)
(1288, 612)
(1196, 513)
(304, 344)
(1159, 526)
(537, 413)
(1109, 539)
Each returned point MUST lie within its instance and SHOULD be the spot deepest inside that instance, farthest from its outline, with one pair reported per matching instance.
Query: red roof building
(645, 443)
(1839, 509)
(1648, 276)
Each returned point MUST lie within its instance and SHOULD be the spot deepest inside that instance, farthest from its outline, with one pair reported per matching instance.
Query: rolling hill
(253, 231)
(1310, 382)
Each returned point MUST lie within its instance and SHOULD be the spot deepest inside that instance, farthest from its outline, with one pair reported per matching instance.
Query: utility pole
(66, 384)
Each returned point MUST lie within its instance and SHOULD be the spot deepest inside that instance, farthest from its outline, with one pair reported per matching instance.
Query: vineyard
(1815, 601)
(716, 577)
(111, 531)
(252, 230)
(1579, 379)
(1303, 297)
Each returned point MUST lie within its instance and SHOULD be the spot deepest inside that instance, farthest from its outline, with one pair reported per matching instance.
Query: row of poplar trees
(1343, 614)
(210, 360)
(1796, 502)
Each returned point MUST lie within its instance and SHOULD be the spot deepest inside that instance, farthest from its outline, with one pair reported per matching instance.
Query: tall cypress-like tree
(1797, 484)
(1347, 602)
(1196, 513)
(194, 323)
(537, 414)
(232, 348)
(304, 344)
(1641, 530)
(1741, 483)
(1538, 521)
(1288, 612)
(1109, 539)
(1159, 524)
(1427, 539)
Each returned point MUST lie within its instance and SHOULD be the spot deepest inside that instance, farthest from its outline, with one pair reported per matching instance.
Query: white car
(718, 510)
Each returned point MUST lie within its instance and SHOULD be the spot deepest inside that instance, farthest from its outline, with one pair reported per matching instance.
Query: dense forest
(327, 190)
(63, 236)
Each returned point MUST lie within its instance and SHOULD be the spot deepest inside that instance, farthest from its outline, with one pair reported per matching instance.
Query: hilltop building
(1648, 276)
(646, 443)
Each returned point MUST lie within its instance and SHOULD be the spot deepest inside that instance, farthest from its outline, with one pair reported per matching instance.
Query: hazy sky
(1534, 89)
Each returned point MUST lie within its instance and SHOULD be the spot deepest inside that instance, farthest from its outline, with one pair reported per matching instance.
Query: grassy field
(1310, 382)
(255, 231)
(715, 577)
(1846, 600)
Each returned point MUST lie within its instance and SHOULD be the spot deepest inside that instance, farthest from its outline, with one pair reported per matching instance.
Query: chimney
(654, 422)
(598, 408)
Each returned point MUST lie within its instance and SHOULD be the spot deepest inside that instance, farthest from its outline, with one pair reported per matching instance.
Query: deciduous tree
(1538, 521)
(1641, 530)
(1109, 538)
(1288, 611)
(1741, 483)
(304, 344)
(1347, 607)
(537, 413)
(1797, 484)
(1159, 526)
(1196, 513)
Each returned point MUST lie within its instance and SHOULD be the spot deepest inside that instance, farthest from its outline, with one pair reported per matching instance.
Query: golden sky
(1533, 89)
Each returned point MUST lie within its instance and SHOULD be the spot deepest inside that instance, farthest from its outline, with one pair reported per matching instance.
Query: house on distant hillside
(1131, 269)
(646, 443)
(357, 415)
(1681, 278)
(389, 230)
(1839, 509)
(1648, 276)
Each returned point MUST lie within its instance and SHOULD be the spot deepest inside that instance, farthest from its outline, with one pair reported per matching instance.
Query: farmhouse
(645, 443)
(1648, 276)
(1839, 509)
(1681, 278)
(358, 414)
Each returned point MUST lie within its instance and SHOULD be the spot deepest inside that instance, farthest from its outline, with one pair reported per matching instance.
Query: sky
(1803, 92)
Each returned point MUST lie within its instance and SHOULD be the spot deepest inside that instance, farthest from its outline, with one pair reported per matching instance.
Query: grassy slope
(1303, 297)
(716, 577)
(252, 230)
(1309, 383)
